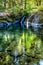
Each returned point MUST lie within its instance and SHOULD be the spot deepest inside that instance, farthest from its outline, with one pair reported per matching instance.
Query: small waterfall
(27, 24)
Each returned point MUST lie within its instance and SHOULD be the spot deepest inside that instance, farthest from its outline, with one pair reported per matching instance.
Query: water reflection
(26, 47)
(16, 57)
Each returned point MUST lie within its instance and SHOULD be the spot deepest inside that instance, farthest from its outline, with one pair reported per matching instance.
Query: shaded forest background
(18, 6)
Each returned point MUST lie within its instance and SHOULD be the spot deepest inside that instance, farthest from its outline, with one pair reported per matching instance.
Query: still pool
(20, 46)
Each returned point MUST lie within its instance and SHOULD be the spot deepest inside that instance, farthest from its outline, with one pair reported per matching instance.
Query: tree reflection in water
(23, 46)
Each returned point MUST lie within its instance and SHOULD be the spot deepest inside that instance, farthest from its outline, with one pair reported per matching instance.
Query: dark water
(21, 43)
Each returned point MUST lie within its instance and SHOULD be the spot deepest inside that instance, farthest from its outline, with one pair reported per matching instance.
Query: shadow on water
(22, 41)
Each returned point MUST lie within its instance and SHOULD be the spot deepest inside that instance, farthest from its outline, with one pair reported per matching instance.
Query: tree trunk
(5, 4)
(38, 2)
(25, 4)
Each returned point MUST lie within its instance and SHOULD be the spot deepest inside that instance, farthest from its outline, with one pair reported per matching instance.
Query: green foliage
(22, 6)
